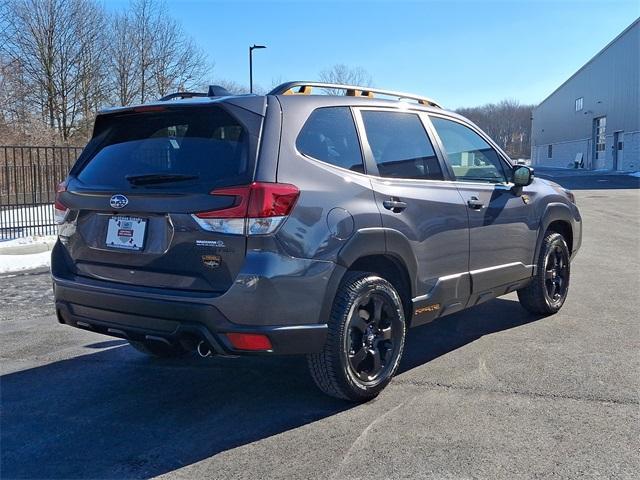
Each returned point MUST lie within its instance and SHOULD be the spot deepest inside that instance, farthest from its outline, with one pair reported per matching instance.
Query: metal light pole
(251, 65)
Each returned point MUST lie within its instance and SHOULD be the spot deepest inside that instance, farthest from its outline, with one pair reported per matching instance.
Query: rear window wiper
(152, 178)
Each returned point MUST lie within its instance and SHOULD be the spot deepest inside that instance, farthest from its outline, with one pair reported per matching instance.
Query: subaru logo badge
(118, 201)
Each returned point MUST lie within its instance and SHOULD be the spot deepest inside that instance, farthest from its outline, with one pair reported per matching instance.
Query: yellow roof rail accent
(305, 88)
(359, 93)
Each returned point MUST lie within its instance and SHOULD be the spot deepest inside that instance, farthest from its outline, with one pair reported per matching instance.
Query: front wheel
(365, 339)
(548, 289)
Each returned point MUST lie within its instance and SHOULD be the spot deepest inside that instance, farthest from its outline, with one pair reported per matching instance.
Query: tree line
(62, 60)
(507, 122)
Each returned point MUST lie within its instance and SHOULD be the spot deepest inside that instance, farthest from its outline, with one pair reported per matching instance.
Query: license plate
(126, 232)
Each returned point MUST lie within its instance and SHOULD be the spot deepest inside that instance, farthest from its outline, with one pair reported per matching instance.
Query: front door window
(470, 156)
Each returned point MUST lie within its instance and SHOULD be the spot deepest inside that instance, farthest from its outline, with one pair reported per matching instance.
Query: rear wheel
(158, 349)
(549, 287)
(365, 339)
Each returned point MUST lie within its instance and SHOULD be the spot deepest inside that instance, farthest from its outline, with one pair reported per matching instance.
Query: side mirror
(522, 175)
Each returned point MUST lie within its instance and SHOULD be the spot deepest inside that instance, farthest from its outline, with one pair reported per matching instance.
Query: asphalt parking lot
(493, 392)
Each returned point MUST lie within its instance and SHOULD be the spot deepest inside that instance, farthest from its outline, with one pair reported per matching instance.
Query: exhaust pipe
(204, 350)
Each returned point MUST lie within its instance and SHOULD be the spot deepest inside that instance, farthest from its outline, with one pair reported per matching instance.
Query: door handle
(394, 204)
(475, 204)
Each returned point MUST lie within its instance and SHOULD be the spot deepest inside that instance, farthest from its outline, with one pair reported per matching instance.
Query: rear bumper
(152, 319)
(277, 296)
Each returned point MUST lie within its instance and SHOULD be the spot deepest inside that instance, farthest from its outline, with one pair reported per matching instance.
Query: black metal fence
(28, 180)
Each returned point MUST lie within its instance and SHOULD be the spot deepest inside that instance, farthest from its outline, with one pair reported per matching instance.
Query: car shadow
(430, 341)
(116, 414)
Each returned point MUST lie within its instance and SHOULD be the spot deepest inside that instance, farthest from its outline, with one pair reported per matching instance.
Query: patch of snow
(25, 253)
(30, 240)
(19, 263)
(19, 251)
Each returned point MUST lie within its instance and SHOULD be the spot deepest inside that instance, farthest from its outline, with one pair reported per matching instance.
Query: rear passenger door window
(470, 156)
(329, 135)
(400, 146)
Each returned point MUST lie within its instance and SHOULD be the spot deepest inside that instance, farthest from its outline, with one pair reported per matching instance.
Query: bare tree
(61, 60)
(344, 75)
(80, 73)
(144, 14)
(14, 117)
(19, 122)
(123, 60)
(177, 62)
(28, 42)
(93, 75)
(166, 58)
(55, 46)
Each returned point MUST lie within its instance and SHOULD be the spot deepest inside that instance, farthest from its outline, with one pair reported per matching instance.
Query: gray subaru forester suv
(296, 223)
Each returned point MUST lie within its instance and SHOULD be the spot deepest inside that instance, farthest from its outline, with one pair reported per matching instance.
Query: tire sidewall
(362, 286)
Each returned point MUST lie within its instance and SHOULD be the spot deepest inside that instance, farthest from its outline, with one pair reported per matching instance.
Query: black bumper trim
(134, 318)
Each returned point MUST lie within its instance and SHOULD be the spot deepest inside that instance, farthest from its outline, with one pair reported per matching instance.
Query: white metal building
(594, 117)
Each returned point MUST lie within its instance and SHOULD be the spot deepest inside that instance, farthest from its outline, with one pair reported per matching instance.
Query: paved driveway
(489, 393)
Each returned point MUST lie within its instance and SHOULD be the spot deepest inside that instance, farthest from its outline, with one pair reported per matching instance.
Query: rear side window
(400, 145)
(187, 148)
(329, 134)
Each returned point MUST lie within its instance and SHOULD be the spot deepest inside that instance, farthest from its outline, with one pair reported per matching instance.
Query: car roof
(296, 92)
(257, 104)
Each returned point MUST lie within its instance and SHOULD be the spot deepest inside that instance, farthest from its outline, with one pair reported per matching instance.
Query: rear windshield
(187, 148)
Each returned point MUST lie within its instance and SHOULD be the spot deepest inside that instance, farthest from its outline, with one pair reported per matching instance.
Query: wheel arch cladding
(563, 228)
(382, 251)
(557, 217)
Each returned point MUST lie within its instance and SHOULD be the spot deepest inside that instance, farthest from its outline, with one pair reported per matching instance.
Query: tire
(365, 339)
(159, 350)
(548, 289)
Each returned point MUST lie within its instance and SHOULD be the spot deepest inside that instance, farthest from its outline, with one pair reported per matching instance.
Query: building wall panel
(631, 152)
(609, 85)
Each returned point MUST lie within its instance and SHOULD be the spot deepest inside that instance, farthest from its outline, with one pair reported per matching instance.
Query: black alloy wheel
(556, 274)
(370, 343)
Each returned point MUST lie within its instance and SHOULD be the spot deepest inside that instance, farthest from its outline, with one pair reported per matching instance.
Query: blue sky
(461, 53)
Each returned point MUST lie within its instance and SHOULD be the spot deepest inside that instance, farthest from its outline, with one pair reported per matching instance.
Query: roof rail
(305, 88)
(214, 91)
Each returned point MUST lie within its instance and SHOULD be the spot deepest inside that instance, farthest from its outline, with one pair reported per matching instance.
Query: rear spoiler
(251, 103)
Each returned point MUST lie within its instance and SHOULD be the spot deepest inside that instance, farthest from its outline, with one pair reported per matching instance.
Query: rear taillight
(59, 209)
(258, 209)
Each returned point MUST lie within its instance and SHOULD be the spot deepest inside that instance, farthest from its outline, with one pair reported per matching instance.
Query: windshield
(187, 148)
